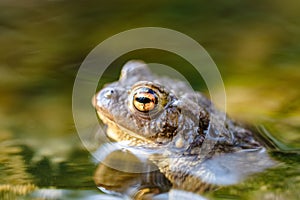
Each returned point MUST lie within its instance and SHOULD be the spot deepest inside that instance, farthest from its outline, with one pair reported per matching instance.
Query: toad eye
(145, 99)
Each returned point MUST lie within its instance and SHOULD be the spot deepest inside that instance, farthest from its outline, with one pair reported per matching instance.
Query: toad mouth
(120, 133)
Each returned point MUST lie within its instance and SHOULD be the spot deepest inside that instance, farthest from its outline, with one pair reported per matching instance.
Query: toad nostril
(108, 94)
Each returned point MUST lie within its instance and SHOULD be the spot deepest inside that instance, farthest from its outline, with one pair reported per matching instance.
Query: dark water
(254, 44)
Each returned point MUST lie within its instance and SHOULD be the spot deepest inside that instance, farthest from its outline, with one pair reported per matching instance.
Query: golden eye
(145, 99)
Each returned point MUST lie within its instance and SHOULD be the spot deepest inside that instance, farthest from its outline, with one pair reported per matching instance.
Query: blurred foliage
(255, 44)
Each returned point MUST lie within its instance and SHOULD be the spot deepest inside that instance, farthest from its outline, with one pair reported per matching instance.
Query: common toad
(183, 128)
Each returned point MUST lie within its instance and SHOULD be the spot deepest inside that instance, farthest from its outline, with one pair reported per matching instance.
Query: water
(254, 45)
(79, 175)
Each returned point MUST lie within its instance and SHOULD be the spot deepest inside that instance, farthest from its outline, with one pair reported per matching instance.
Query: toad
(193, 146)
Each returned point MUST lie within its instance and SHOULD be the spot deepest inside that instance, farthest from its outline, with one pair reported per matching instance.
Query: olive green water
(256, 46)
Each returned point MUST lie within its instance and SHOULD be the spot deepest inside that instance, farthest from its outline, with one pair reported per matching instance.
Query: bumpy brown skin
(186, 130)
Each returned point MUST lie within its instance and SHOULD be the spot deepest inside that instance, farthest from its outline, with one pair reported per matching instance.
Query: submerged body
(196, 145)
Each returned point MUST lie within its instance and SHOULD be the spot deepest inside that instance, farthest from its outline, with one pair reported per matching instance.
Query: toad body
(185, 128)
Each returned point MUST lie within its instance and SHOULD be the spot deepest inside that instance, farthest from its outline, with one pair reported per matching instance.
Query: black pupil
(143, 100)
